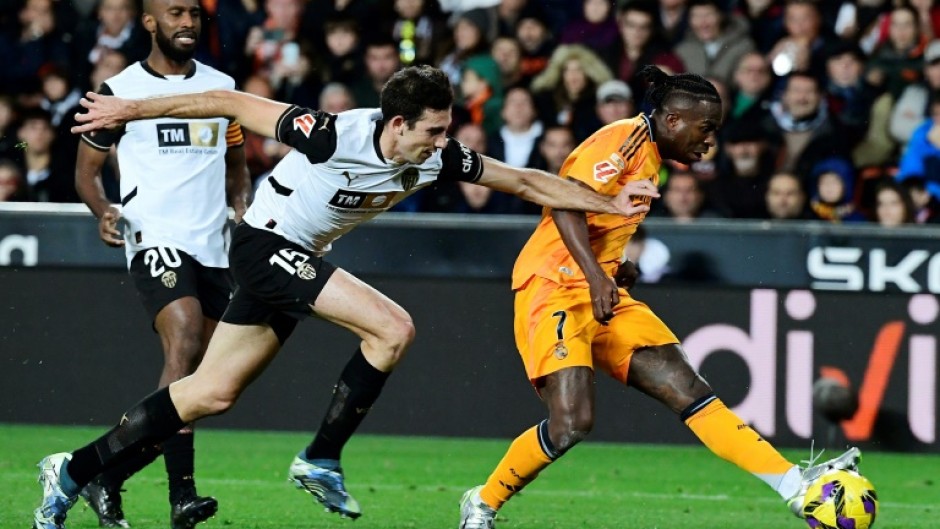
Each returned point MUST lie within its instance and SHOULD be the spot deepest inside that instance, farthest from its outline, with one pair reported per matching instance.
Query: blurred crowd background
(832, 109)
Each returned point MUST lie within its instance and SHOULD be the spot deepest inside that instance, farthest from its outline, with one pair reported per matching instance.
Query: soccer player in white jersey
(344, 169)
(175, 175)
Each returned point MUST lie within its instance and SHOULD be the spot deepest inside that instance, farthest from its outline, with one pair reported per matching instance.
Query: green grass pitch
(405, 482)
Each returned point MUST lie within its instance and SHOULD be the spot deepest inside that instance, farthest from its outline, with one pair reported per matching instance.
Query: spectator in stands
(674, 19)
(801, 120)
(342, 59)
(109, 64)
(368, 13)
(786, 198)
(554, 147)
(116, 28)
(336, 98)
(912, 107)
(802, 48)
(59, 98)
(226, 33)
(263, 46)
(565, 92)
(510, 12)
(7, 121)
(381, 61)
(750, 88)
(470, 40)
(848, 95)
(482, 93)
(596, 28)
(684, 199)
(922, 157)
(893, 205)
(37, 43)
(765, 20)
(507, 53)
(926, 206)
(48, 177)
(11, 182)
(832, 182)
(516, 141)
(537, 44)
(744, 168)
(716, 42)
(640, 43)
(261, 153)
(899, 60)
(420, 35)
(614, 102)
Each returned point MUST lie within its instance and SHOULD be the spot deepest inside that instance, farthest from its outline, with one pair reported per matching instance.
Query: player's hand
(627, 274)
(107, 228)
(628, 203)
(104, 112)
(604, 297)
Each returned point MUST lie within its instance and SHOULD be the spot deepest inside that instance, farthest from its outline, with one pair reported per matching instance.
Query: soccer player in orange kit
(571, 317)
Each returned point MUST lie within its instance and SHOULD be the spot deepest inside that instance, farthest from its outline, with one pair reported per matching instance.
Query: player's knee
(398, 335)
(570, 430)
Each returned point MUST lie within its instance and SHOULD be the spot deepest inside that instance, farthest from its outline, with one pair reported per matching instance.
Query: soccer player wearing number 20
(176, 175)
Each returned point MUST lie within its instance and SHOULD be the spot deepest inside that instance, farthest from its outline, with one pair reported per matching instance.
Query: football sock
(527, 456)
(731, 439)
(149, 422)
(358, 387)
(178, 456)
(119, 473)
(66, 483)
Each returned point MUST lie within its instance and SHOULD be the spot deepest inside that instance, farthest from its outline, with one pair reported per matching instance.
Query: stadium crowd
(832, 108)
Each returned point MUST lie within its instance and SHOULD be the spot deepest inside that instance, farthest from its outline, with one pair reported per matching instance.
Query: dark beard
(172, 53)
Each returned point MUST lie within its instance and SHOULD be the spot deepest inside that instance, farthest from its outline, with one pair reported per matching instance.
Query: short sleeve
(601, 160)
(312, 132)
(460, 163)
(102, 140)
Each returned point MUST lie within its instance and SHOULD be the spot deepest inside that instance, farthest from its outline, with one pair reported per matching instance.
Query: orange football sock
(731, 439)
(527, 456)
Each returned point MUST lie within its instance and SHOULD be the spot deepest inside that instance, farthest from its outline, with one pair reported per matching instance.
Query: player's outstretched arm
(550, 190)
(257, 114)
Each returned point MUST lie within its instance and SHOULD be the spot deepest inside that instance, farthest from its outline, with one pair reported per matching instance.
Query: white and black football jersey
(336, 177)
(172, 170)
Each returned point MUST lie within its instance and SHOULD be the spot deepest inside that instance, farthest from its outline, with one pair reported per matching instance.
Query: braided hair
(689, 87)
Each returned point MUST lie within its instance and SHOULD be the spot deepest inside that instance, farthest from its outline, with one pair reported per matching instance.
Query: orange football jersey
(618, 153)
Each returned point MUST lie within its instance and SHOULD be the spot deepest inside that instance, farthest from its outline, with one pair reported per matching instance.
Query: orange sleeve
(234, 136)
(601, 159)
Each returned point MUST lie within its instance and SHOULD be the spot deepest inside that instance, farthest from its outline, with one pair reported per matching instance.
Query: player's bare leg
(386, 331)
(664, 373)
(569, 396)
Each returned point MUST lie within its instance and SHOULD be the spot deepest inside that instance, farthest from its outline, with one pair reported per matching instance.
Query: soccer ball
(841, 499)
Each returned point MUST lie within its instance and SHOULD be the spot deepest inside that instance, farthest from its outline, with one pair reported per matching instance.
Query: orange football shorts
(555, 329)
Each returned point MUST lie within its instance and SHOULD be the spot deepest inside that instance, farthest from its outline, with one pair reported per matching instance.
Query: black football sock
(178, 455)
(359, 385)
(115, 476)
(148, 423)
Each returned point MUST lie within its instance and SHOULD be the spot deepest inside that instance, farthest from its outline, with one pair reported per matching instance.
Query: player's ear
(150, 23)
(397, 125)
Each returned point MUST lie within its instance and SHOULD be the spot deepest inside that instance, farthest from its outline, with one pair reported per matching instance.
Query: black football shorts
(163, 275)
(277, 280)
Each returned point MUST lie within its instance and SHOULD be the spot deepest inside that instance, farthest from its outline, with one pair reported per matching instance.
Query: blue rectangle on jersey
(173, 134)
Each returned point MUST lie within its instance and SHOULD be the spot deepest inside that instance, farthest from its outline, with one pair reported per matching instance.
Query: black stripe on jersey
(277, 127)
(278, 188)
(129, 196)
(629, 141)
(636, 146)
(151, 71)
(311, 132)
